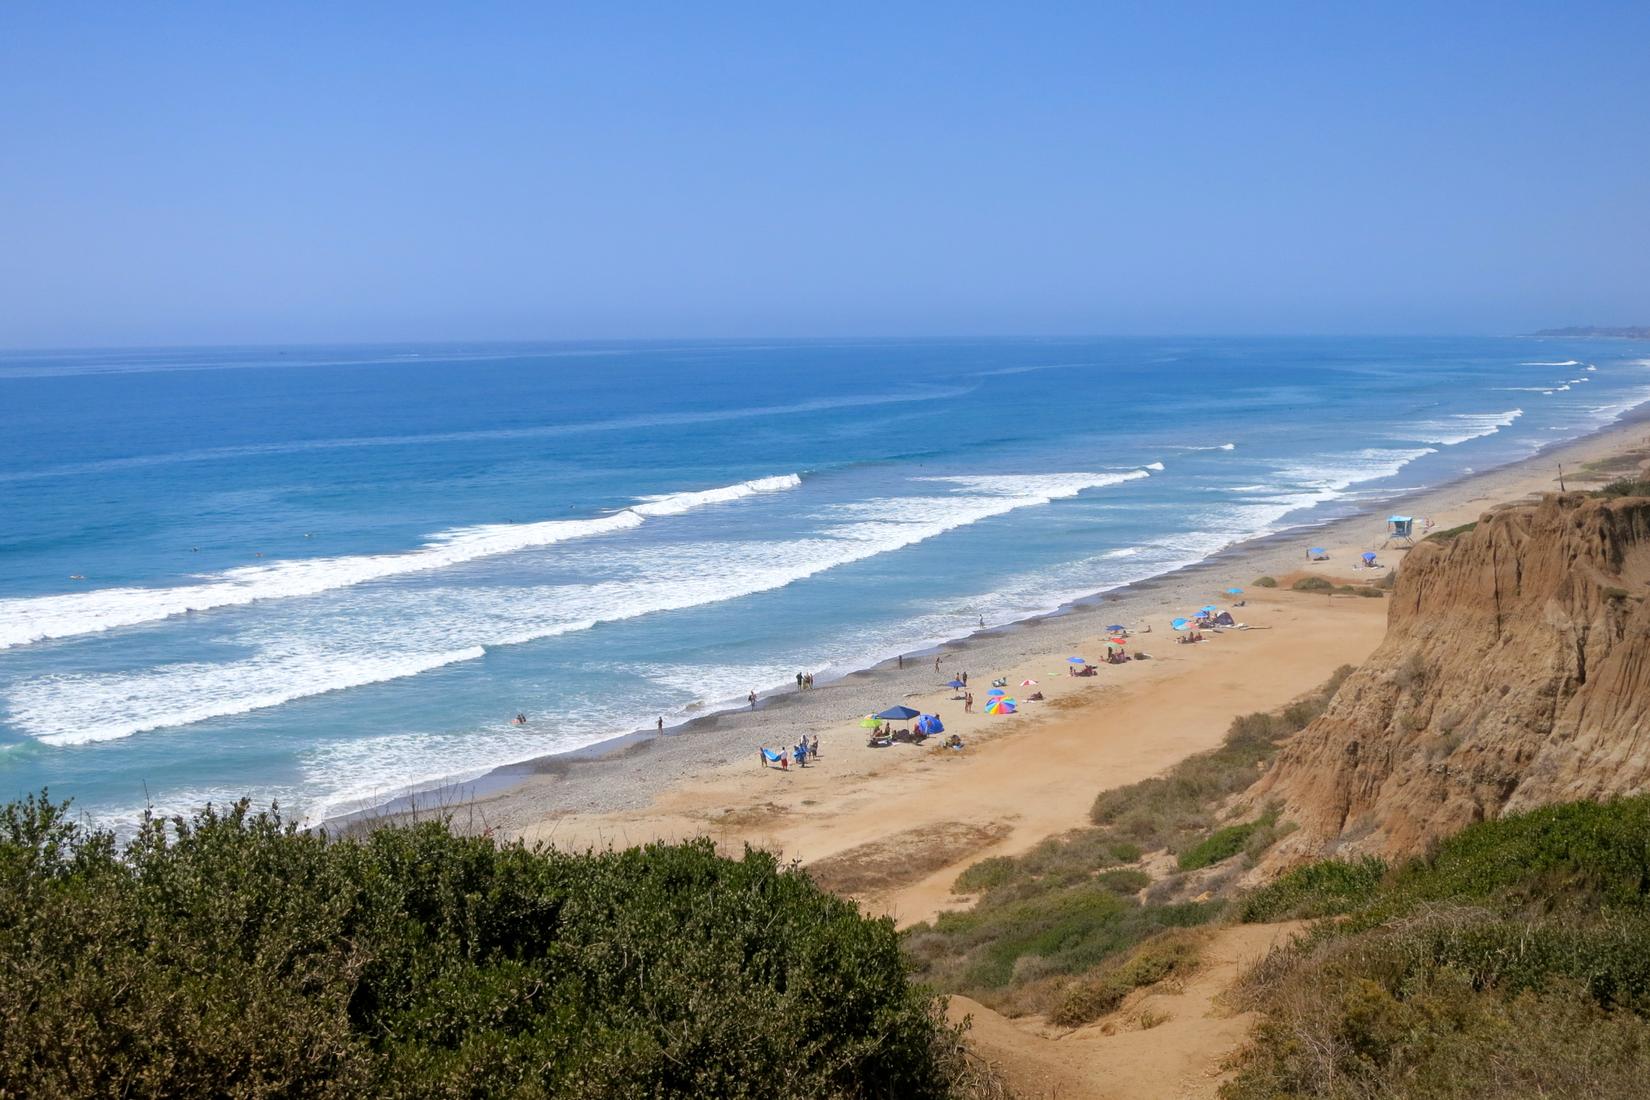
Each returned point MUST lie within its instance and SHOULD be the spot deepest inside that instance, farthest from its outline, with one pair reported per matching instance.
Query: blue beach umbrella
(954, 684)
(1207, 607)
(899, 714)
(1234, 591)
(1076, 661)
(1179, 624)
(994, 692)
(1115, 627)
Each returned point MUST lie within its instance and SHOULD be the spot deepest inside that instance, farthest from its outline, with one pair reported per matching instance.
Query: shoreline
(628, 771)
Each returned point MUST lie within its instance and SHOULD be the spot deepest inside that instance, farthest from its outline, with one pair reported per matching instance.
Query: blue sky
(216, 173)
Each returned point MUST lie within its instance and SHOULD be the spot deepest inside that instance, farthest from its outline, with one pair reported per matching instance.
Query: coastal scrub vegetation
(233, 955)
(1637, 486)
(1052, 930)
(1512, 961)
(1266, 582)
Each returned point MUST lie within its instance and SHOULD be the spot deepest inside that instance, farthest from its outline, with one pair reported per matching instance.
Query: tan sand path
(1180, 1058)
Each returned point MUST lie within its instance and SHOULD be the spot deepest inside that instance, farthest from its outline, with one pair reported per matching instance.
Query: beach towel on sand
(771, 756)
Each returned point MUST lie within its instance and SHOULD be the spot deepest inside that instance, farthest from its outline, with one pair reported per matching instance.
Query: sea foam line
(73, 709)
(37, 618)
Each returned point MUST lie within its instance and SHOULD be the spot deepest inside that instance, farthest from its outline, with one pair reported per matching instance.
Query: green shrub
(1312, 584)
(1266, 582)
(1627, 487)
(1315, 890)
(1088, 998)
(1452, 533)
(984, 875)
(232, 955)
(1369, 592)
(1512, 961)
(1225, 843)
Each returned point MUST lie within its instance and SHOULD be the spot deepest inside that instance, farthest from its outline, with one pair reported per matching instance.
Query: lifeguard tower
(1400, 531)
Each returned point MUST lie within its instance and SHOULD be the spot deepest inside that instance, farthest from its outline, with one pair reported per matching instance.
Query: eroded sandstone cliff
(1515, 672)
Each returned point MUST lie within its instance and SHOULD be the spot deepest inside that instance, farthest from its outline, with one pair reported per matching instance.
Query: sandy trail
(1180, 1058)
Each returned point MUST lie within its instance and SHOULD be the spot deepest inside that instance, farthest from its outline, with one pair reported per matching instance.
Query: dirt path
(1179, 1058)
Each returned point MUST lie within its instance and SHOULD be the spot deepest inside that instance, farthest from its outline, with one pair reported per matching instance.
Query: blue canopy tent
(930, 724)
(899, 714)
(1316, 553)
(1369, 557)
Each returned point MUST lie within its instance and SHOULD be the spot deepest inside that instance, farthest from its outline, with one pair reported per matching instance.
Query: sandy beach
(894, 825)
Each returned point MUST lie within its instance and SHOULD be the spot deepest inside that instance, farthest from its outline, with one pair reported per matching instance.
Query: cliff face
(1515, 672)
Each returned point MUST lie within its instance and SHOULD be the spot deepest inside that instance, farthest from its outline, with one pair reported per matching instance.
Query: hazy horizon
(189, 176)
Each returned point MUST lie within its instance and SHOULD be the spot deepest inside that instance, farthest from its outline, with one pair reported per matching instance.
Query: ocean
(324, 576)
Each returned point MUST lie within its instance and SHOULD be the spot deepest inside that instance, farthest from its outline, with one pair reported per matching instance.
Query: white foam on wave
(1615, 410)
(1464, 426)
(1561, 389)
(37, 618)
(1154, 466)
(1566, 363)
(676, 503)
(1591, 367)
(449, 625)
(1304, 486)
(78, 709)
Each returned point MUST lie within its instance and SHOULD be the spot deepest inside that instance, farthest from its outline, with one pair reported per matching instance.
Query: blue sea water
(325, 575)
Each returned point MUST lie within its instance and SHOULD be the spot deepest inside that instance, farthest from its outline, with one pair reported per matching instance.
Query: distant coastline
(1597, 332)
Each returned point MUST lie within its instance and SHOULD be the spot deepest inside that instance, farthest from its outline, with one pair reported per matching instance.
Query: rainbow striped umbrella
(1000, 705)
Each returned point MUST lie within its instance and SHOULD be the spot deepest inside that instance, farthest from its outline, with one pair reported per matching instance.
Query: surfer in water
(519, 720)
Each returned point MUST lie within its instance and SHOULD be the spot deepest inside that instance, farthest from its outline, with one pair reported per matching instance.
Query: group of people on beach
(801, 752)
(804, 681)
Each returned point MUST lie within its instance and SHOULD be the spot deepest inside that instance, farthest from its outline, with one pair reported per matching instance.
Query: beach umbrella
(899, 714)
(1234, 591)
(1000, 705)
(1114, 644)
(1179, 624)
(930, 723)
(995, 693)
(1369, 556)
(1077, 660)
(955, 685)
(1028, 683)
(1207, 607)
(870, 722)
(1115, 627)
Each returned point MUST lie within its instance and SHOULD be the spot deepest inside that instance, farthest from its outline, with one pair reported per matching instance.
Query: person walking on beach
(799, 681)
(968, 702)
(814, 747)
(936, 664)
(751, 698)
(965, 677)
(901, 660)
(661, 723)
